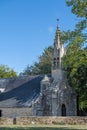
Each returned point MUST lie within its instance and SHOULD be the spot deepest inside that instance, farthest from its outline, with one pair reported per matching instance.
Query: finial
(57, 20)
(58, 24)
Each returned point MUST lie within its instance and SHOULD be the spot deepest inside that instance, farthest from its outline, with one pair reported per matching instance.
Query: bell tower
(57, 98)
(58, 53)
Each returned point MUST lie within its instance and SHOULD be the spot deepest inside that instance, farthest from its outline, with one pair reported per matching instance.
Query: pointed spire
(57, 33)
(58, 30)
(57, 36)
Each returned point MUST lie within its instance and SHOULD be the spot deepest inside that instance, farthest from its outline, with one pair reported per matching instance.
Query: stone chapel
(56, 98)
(40, 95)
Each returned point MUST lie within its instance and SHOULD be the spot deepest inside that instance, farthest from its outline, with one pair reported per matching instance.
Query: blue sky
(27, 27)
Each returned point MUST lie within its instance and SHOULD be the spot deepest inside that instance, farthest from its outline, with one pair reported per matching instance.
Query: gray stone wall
(44, 120)
(16, 112)
(6, 121)
(51, 120)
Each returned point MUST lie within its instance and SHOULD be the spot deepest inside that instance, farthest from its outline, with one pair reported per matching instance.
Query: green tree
(31, 70)
(75, 61)
(45, 60)
(78, 7)
(6, 72)
(43, 66)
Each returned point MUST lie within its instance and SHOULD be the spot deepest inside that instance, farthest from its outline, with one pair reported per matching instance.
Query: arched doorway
(63, 110)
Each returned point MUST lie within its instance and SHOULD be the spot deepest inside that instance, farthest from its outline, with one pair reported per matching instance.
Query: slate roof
(21, 92)
(3, 82)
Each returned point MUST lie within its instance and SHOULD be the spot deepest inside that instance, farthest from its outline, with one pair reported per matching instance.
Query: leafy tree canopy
(78, 7)
(75, 61)
(41, 67)
(6, 72)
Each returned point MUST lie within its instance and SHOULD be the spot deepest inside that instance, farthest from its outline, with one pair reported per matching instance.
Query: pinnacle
(46, 78)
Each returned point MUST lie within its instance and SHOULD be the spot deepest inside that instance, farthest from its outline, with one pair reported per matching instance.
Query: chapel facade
(40, 95)
(56, 98)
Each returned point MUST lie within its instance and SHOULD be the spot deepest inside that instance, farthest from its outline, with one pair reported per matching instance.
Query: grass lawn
(45, 127)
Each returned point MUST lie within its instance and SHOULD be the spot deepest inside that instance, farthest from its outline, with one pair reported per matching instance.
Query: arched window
(63, 110)
(57, 61)
(54, 62)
